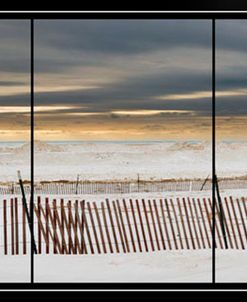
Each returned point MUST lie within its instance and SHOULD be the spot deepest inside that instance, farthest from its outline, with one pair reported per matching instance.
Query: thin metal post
(213, 151)
(221, 214)
(24, 201)
(77, 184)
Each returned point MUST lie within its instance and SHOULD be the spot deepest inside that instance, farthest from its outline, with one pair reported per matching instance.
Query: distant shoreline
(140, 142)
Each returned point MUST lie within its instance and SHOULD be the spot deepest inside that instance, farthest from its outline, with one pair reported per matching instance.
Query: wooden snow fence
(121, 187)
(122, 226)
(102, 187)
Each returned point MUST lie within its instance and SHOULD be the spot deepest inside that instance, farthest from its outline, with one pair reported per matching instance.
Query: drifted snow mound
(183, 146)
(231, 146)
(39, 147)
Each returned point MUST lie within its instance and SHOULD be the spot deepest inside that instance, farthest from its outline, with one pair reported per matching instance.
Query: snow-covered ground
(161, 266)
(175, 266)
(108, 161)
(147, 195)
(121, 160)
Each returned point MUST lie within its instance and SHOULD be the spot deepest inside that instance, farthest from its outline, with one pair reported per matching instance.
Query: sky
(122, 79)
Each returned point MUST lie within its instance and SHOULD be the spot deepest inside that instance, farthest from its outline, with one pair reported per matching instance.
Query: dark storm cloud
(110, 37)
(103, 39)
(230, 35)
(15, 46)
(229, 106)
(230, 75)
(62, 46)
(135, 36)
(16, 100)
(13, 83)
(132, 93)
(121, 37)
(162, 83)
(15, 65)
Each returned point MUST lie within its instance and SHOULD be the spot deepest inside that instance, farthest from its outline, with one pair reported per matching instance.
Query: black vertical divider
(213, 150)
(32, 146)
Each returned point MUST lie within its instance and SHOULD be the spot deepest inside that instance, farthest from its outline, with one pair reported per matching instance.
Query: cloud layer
(101, 73)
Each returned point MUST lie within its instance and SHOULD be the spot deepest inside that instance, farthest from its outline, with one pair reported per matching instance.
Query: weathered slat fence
(121, 226)
(118, 187)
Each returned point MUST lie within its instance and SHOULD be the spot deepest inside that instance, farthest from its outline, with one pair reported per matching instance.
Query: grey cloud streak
(122, 37)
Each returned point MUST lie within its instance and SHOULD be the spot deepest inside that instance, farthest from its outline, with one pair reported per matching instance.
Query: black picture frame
(209, 15)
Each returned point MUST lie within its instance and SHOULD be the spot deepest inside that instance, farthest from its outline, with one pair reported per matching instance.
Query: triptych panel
(122, 151)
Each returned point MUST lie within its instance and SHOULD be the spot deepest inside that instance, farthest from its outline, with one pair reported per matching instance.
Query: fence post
(204, 222)
(5, 227)
(93, 226)
(119, 227)
(198, 222)
(39, 230)
(62, 222)
(153, 222)
(242, 218)
(12, 226)
(231, 222)
(106, 227)
(165, 225)
(77, 183)
(141, 223)
(129, 225)
(54, 227)
(237, 224)
(100, 227)
(183, 225)
(71, 247)
(138, 182)
(159, 224)
(123, 227)
(84, 219)
(112, 224)
(135, 224)
(188, 223)
(221, 216)
(177, 224)
(16, 228)
(47, 224)
(204, 183)
(24, 230)
(193, 223)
